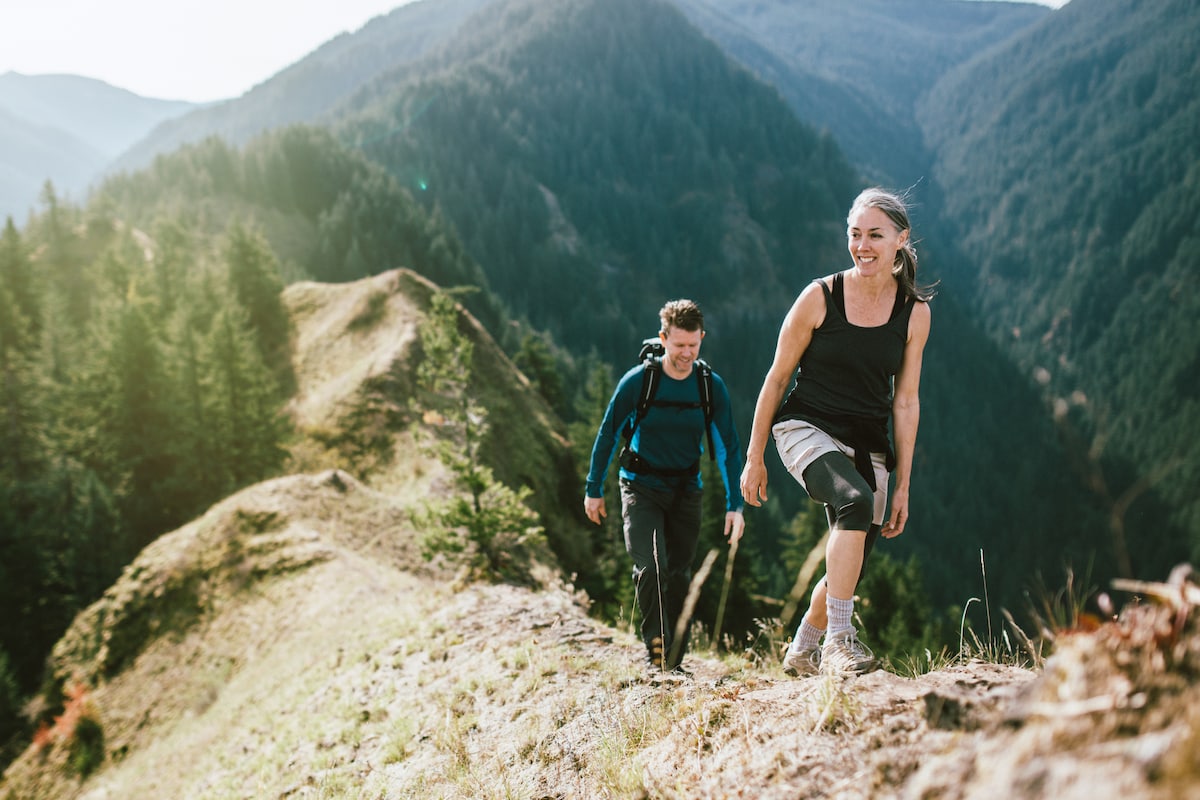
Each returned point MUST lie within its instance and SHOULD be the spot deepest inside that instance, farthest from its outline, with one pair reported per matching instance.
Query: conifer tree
(244, 427)
(10, 704)
(20, 423)
(188, 332)
(20, 584)
(134, 421)
(54, 513)
(17, 276)
(895, 610)
(253, 273)
(64, 260)
(173, 260)
(536, 360)
(487, 524)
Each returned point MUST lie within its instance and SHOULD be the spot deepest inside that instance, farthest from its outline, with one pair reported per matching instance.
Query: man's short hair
(682, 314)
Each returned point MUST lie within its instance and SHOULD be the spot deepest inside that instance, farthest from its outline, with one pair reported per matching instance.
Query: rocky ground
(313, 666)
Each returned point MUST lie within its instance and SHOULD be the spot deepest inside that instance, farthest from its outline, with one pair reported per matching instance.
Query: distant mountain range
(310, 89)
(66, 129)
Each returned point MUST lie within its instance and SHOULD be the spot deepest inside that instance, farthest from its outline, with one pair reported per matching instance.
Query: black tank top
(844, 380)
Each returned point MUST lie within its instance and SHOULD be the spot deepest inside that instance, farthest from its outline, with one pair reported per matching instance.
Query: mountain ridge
(29, 150)
(66, 129)
(471, 690)
(338, 69)
(356, 351)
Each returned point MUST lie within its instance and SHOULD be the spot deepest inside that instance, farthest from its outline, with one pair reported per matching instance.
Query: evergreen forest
(578, 162)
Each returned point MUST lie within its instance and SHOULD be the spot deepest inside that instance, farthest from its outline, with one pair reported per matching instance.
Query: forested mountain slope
(310, 88)
(329, 214)
(859, 69)
(358, 354)
(1070, 163)
(615, 158)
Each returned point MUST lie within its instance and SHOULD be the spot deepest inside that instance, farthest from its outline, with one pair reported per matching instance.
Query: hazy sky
(197, 50)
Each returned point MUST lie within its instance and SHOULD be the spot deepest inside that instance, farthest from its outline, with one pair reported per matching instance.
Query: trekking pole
(689, 605)
(733, 548)
(662, 611)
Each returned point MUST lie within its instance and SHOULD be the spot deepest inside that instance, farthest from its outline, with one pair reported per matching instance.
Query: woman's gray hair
(896, 209)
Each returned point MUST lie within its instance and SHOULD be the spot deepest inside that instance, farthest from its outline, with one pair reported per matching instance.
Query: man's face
(682, 349)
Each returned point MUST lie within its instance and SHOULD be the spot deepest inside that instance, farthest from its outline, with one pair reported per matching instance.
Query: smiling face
(682, 349)
(873, 240)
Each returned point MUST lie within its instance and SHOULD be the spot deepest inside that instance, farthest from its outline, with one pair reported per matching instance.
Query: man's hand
(735, 525)
(594, 508)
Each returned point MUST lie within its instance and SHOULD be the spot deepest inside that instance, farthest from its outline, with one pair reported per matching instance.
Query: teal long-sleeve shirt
(668, 437)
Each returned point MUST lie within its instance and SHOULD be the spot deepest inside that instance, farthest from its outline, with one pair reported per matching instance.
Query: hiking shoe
(681, 671)
(844, 654)
(800, 663)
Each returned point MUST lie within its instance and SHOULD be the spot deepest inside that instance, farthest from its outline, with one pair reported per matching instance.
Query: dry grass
(353, 677)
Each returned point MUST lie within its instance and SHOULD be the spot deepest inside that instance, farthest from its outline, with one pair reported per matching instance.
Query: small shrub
(77, 729)
(487, 525)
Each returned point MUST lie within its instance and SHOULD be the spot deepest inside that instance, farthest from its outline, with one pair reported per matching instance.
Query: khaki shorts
(801, 443)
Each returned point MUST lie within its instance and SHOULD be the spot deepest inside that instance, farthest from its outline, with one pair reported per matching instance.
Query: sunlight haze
(195, 50)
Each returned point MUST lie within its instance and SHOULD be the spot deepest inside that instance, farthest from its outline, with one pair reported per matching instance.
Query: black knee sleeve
(849, 502)
(869, 545)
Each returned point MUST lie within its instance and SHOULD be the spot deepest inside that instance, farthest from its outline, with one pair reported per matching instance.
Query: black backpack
(651, 359)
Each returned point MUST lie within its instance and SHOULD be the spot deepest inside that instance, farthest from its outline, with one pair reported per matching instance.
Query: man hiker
(665, 434)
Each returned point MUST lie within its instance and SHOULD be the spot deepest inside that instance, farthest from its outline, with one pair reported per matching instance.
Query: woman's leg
(816, 614)
(833, 480)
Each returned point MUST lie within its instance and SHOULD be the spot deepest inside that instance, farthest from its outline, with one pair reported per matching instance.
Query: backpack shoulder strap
(704, 382)
(651, 375)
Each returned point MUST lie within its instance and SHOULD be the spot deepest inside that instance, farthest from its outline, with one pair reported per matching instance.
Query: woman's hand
(899, 517)
(754, 482)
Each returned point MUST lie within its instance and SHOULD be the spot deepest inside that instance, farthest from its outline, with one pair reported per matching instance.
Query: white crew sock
(840, 613)
(807, 637)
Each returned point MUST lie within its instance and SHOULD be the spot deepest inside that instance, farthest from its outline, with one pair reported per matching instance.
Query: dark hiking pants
(661, 532)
